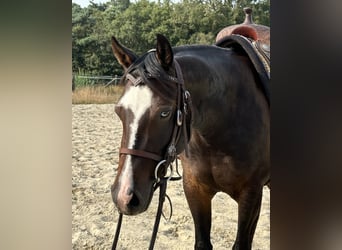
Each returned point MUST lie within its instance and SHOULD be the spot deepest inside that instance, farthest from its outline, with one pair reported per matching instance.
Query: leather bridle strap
(187, 105)
(117, 232)
(141, 153)
(162, 193)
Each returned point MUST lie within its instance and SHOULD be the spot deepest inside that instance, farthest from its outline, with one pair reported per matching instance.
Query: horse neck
(205, 72)
(221, 84)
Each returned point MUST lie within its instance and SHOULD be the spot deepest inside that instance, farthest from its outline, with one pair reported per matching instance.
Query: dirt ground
(96, 134)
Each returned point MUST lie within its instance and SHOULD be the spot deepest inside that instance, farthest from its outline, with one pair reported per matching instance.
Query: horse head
(148, 110)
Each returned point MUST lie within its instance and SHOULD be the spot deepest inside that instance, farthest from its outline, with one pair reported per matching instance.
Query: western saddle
(252, 39)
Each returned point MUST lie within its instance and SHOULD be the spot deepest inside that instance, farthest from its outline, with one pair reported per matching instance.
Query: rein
(184, 107)
(162, 193)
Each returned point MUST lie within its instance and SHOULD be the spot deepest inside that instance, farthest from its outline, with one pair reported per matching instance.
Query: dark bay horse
(227, 134)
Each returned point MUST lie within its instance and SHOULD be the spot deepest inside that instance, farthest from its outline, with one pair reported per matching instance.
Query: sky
(85, 3)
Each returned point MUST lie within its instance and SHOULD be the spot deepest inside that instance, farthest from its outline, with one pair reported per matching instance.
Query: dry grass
(96, 94)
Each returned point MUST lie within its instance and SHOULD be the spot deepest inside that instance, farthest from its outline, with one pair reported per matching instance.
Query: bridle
(183, 111)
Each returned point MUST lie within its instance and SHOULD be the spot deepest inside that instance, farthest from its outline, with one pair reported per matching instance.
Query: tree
(136, 24)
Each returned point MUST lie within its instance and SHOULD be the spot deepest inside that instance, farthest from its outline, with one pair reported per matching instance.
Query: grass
(92, 94)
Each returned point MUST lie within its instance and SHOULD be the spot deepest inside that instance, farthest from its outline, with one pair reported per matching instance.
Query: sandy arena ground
(96, 134)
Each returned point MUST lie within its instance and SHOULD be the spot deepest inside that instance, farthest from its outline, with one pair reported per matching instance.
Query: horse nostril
(134, 202)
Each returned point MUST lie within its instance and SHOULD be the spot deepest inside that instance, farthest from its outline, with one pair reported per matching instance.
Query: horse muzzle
(128, 201)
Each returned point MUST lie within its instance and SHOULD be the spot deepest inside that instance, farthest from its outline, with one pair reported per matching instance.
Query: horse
(205, 105)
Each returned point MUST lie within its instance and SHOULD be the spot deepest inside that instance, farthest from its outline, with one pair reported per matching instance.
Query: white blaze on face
(138, 100)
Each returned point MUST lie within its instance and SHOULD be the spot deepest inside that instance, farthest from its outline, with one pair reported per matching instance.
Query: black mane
(164, 83)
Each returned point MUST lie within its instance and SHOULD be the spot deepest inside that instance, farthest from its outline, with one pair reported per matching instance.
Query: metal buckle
(171, 151)
(179, 117)
(185, 109)
(187, 99)
(187, 94)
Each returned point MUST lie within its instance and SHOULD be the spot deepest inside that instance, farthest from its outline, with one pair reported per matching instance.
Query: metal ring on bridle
(156, 170)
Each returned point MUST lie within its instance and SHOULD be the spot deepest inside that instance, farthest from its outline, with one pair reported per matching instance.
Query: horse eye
(164, 114)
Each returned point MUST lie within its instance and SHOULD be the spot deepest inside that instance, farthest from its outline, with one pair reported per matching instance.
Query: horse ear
(164, 52)
(124, 56)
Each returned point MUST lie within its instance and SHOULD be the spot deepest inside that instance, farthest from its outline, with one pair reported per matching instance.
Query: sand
(96, 135)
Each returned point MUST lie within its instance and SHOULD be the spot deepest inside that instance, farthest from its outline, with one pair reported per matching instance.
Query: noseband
(184, 107)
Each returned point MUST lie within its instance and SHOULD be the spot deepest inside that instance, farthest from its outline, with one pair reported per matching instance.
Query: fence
(112, 80)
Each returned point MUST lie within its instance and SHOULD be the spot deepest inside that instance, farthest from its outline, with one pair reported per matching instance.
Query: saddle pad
(258, 53)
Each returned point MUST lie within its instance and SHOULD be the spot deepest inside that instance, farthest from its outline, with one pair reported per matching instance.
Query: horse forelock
(153, 75)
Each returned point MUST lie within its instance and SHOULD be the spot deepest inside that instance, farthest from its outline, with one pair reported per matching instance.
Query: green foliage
(135, 24)
(82, 82)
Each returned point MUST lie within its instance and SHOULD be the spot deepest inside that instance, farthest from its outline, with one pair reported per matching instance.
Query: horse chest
(226, 174)
(214, 169)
